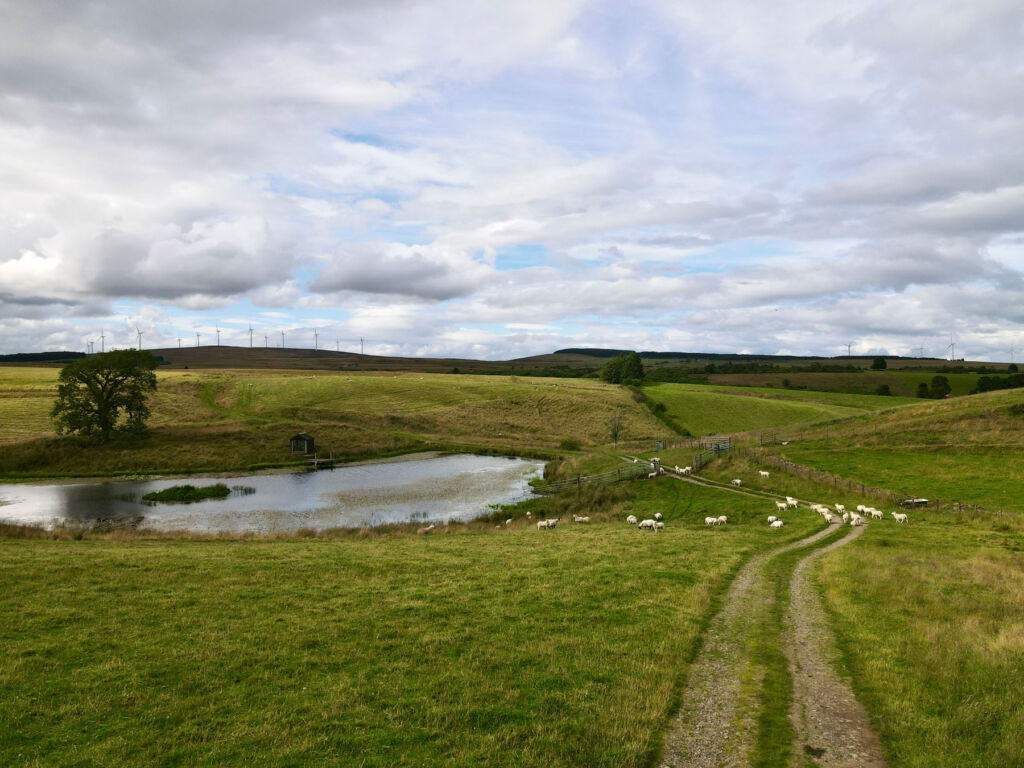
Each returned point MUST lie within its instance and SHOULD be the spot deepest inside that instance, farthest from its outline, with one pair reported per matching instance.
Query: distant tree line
(40, 357)
(939, 389)
(991, 383)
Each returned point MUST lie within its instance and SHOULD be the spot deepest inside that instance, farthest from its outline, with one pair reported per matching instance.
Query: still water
(419, 488)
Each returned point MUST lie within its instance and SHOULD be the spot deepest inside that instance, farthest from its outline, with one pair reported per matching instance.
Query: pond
(418, 488)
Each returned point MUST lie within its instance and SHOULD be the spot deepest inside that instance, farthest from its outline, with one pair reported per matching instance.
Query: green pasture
(704, 409)
(219, 420)
(931, 627)
(479, 647)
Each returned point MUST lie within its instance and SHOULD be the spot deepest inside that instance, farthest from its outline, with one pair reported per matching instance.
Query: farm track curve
(717, 723)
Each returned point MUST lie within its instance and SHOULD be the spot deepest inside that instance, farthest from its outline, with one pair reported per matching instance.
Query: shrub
(883, 389)
(570, 444)
(878, 364)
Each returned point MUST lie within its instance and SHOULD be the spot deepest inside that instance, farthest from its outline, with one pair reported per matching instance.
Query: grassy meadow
(479, 647)
(704, 410)
(219, 420)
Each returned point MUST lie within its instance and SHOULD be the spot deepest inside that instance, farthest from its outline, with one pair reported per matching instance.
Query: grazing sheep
(772, 519)
(791, 502)
(781, 506)
(687, 470)
(580, 519)
(548, 524)
(777, 524)
(657, 515)
(652, 475)
(659, 526)
(631, 520)
(710, 521)
(876, 513)
(856, 520)
(428, 529)
(846, 516)
(840, 508)
(899, 517)
(647, 525)
(737, 482)
(861, 508)
(762, 473)
(509, 521)
(722, 519)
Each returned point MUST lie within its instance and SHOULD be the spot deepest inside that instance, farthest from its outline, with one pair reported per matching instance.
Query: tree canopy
(878, 364)
(106, 393)
(623, 369)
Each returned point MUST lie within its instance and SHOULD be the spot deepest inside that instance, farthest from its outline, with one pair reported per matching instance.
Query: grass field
(865, 382)
(510, 647)
(704, 410)
(216, 420)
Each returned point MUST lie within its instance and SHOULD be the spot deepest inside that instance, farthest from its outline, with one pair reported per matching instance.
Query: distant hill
(41, 357)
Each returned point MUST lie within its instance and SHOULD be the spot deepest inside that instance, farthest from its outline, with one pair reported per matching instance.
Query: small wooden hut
(303, 443)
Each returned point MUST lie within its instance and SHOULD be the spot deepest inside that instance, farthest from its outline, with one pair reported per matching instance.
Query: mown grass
(703, 410)
(220, 420)
(510, 647)
(931, 627)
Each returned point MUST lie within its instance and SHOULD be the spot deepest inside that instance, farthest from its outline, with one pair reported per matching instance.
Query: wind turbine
(250, 334)
(360, 345)
(103, 338)
(951, 348)
(139, 331)
(197, 338)
(337, 346)
(316, 338)
(218, 337)
(282, 339)
(90, 342)
(848, 345)
(266, 341)
(1012, 350)
(179, 342)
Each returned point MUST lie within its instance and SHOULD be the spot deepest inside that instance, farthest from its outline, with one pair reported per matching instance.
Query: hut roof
(303, 435)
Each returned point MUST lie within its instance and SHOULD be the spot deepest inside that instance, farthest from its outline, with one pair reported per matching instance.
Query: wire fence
(626, 472)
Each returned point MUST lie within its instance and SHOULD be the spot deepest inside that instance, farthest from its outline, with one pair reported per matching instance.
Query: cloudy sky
(501, 179)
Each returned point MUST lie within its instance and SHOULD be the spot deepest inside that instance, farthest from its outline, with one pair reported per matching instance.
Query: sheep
(658, 526)
(580, 519)
(900, 517)
(509, 521)
(631, 520)
(710, 521)
(791, 502)
(657, 516)
(861, 508)
(426, 530)
(636, 461)
(687, 470)
(840, 508)
(529, 514)
(876, 513)
(846, 517)
(722, 519)
(856, 520)
(762, 473)
(548, 524)
(737, 482)
(772, 519)
(777, 524)
(781, 506)
(647, 525)
(652, 475)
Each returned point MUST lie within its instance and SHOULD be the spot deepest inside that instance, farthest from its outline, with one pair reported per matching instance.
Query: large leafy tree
(625, 368)
(103, 394)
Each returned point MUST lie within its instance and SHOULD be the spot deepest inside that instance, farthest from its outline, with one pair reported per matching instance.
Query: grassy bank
(931, 628)
(220, 420)
(508, 647)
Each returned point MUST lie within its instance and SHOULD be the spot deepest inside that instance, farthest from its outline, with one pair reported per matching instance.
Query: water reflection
(424, 487)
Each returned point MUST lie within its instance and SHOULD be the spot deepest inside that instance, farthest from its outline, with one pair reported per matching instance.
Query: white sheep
(791, 502)
(772, 519)
(900, 517)
(781, 506)
(580, 519)
(722, 519)
(678, 469)
(657, 516)
(687, 470)
(777, 524)
(659, 526)
(652, 475)
(762, 473)
(861, 507)
(509, 521)
(846, 517)
(876, 513)
(631, 520)
(710, 521)
(647, 525)
(840, 508)
(737, 482)
(856, 520)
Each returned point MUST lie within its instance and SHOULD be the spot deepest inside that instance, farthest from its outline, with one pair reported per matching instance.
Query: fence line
(626, 472)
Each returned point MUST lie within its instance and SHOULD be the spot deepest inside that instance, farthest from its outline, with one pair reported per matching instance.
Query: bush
(878, 364)
(186, 494)
(570, 444)
(883, 389)
(922, 390)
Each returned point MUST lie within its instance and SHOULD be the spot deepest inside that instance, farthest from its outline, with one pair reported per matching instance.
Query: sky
(495, 180)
